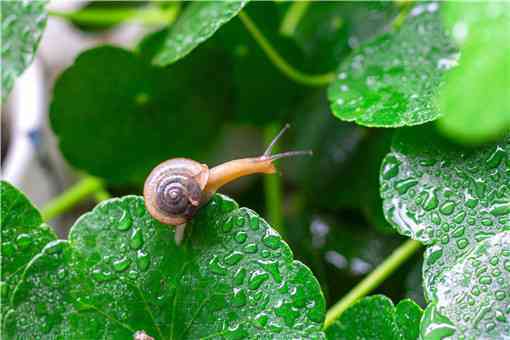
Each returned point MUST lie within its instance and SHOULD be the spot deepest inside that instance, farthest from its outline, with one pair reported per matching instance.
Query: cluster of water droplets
(248, 277)
(397, 74)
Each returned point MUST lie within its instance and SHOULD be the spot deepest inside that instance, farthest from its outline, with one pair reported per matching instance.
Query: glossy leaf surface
(475, 99)
(198, 23)
(138, 117)
(23, 23)
(376, 317)
(392, 80)
(121, 272)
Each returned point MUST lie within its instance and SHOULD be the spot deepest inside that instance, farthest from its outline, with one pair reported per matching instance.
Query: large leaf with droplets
(475, 98)
(138, 117)
(23, 23)
(392, 80)
(23, 236)
(452, 199)
(376, 317)
(473, 297)
(122, 272)
(198, 23)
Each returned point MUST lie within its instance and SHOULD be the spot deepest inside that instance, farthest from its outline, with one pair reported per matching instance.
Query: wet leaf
(376, 317)
(455, 200)
(392, 80)
(23, 23)
(121, 272)
(475, 98)
(23, 236)
(140, 117)
(474, 295)
(198, 23)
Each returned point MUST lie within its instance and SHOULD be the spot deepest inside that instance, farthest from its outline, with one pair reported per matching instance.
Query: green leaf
(141, 117)
(376, 317)
(392, 80)
(122, 272)
(23, 23)
(473, 294)
(455, 200)
(23, 236)
(475, 98)
(198, 23)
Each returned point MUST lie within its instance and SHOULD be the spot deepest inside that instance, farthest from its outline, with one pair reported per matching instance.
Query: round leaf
(232, 277)
(474, 294)
(392, 80)
(475, 98)
(376, 317)
(198, 23)
(23, 236)
(23, 23)
(116, 116)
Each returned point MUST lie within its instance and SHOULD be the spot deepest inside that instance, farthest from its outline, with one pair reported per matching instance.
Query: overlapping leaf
(116, 116)
(197, 24)
(475, 98)
(376, 317)
(121, 272)
(457, 201)
(23, 23)
(392, 81)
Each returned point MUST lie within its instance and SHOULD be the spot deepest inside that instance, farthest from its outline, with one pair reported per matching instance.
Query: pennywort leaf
(121, 272)
(23, 23)
(456, 200)
(392, 80)
(198, 23)
(376, 317)
(475, 98)
(23, 236)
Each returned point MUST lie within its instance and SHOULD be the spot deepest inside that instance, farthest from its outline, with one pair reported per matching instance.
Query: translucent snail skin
(178, 187)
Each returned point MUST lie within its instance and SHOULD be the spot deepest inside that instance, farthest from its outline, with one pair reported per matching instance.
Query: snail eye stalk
(267, 154)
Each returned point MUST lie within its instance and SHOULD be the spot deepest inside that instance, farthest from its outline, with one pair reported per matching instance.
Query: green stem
(279, 62)
(402, 15)
(102, 195)
(273, 186)
(149, 15)
(385, 269)
(81, 190)
(293, 16)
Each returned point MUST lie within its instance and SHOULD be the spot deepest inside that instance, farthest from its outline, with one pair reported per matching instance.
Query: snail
(178, 187)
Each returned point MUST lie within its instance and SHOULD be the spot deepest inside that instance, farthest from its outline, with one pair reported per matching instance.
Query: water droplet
(404, 185)
(434, 253)
(142, 260)
(233, 258)
(430, 201)
(390, 167)
(496, 157)
(254, 223)
(215, 266)
(462, 243)
(272, 268)
(507, 265)
(228, 225)
(485, 280)
(241, 237)
(459, 217)
(136, 241)
(500, 208)
(500, 295)
(447, 208)
(250, 248)
(125, 222)
(121, 264)
(256, 279)
(261, 320)
(240, 221)
(271, 239)
(458, 232)
(239, 277)
(24, 241)
(239, 298)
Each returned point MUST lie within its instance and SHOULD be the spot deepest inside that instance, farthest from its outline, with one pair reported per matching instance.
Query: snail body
(178, 187)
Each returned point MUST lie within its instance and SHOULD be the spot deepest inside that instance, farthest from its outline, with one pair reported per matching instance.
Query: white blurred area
(32, 161)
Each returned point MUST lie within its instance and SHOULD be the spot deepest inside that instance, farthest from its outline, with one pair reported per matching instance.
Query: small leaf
(473, 296)
(23, 236)
(392, 81)
(475, 98)
(198, 23)
(141, 117)
(23, 23)
(376, 317)
(445, 196)
(122, 272)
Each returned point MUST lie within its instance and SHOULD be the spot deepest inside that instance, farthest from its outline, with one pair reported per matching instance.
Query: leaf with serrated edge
(23, 236)
(392, 80)
(233, 276)
(198, 23)
(376, 317)
(23, 23)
